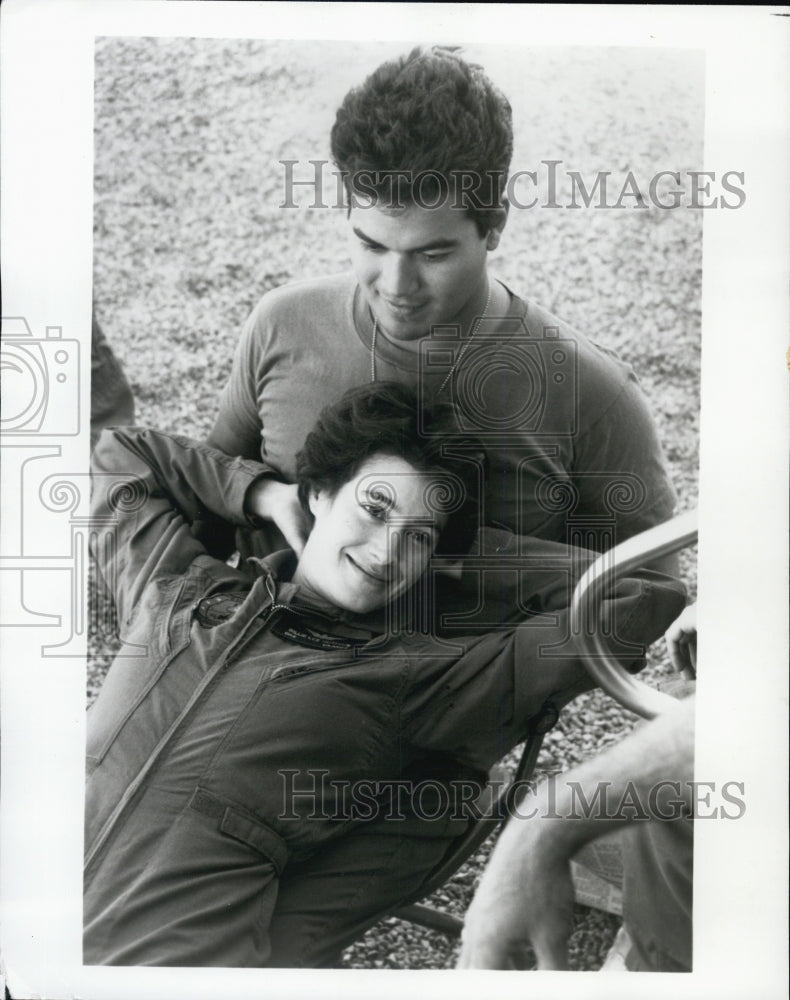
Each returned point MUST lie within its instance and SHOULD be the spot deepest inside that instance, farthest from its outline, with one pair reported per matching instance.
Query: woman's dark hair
(386, 418)
(426, 125)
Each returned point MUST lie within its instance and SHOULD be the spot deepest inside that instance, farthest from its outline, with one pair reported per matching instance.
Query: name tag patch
(302, 635)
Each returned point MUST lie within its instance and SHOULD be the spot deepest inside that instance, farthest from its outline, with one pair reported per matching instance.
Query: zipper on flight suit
(290, 670)
(210, 679)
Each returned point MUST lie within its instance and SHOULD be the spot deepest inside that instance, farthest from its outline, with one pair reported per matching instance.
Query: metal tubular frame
(640, 550)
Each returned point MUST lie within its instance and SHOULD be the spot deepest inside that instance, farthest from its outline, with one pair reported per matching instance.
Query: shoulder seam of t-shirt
(298, 297)
(626, 376)
(329, 282)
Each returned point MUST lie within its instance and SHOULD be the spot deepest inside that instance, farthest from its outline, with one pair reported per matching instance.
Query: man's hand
(279, 502)
(681, 639)
(525, 895)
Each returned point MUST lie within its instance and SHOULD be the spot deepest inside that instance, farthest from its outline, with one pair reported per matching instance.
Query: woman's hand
(272, 500)
(681, 639)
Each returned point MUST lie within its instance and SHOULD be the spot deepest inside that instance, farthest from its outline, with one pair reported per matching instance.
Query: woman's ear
(316, 501)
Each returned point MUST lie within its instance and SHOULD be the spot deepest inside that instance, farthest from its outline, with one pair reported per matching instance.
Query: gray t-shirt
(573, 451)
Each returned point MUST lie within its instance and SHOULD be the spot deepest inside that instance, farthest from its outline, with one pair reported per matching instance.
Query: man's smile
(402, 308)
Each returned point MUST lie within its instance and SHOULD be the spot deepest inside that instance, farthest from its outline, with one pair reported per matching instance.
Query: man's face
(417, 266)
(371, 540)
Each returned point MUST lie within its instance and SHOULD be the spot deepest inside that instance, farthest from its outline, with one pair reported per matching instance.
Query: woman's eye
(372, 248)
(375, 510)
(420, 538)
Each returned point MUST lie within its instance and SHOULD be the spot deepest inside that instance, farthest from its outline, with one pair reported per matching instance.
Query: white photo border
(47, 193)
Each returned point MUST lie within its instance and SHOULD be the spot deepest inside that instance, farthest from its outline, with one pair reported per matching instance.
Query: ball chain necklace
(457, 361)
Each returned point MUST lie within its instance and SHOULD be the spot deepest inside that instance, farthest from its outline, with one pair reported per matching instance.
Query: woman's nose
(382, 546)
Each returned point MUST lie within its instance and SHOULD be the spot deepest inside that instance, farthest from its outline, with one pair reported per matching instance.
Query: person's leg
(658, 895)
(112, 402)
(329, 901)
(182, 886)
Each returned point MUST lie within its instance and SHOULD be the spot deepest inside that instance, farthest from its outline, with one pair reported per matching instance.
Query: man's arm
(620, 483)
(526, 892)
(238, 431)
(629, 479)
(148, 489)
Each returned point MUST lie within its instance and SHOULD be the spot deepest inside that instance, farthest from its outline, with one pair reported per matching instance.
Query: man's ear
(495, 232)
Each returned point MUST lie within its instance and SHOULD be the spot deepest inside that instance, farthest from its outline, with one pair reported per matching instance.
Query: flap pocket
(161, 619)
(244, 828)
(260, 837)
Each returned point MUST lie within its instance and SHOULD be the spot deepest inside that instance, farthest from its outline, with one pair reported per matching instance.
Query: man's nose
(399, 277)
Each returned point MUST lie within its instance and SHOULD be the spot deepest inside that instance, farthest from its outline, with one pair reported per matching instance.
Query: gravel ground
(189, 234)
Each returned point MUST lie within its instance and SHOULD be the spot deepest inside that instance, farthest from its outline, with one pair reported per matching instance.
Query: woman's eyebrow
(441, 243)
(380, 497)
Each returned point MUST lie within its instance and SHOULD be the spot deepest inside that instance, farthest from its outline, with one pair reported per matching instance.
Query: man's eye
(436, 256)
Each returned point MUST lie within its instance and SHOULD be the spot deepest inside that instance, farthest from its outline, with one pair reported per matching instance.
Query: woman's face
(373, 538)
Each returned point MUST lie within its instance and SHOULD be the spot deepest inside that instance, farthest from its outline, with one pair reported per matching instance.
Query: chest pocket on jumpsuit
(158, 631)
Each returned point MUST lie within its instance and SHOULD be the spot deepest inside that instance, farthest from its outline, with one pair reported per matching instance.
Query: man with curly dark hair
(424, 148)
(387, 146)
